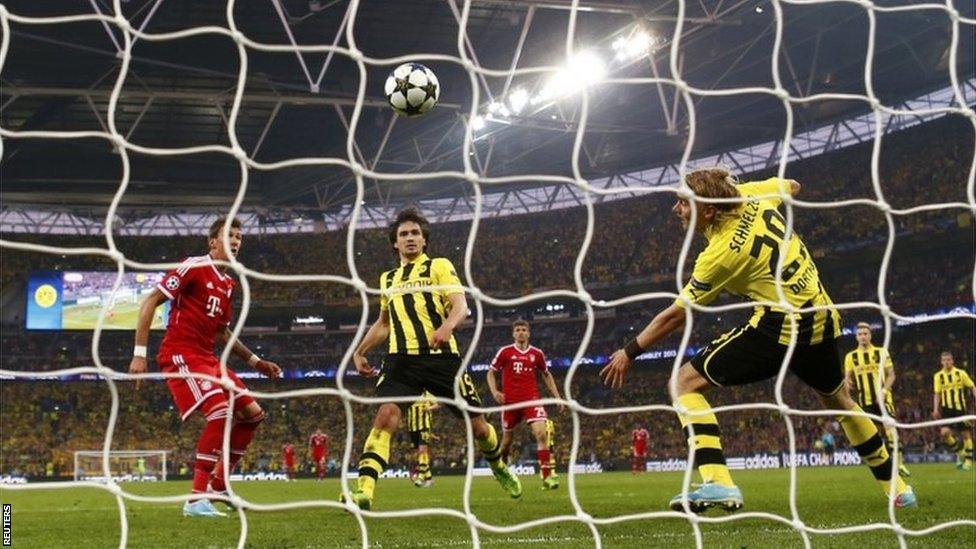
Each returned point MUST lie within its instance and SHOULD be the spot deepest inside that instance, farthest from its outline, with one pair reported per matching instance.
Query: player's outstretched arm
(377, 333)
(936, 411)
(661, 326)
(266, 367)
(139, 363)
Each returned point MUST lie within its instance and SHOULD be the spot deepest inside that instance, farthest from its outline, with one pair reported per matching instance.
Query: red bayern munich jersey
(318, 443)
(289, 451)
(201, 307)
(640, 438)
(518, 372)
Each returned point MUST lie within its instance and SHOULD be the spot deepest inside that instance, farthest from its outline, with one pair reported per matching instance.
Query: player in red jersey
(638, 460)
(318, 446)
(518, 364)
(288, 455)
(200, 316)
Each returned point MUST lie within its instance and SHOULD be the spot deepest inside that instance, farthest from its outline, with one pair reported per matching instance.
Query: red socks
(241, 435)
(544, 463)
(208, 452)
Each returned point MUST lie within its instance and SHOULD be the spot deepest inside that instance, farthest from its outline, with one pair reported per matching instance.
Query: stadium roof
(179, 93)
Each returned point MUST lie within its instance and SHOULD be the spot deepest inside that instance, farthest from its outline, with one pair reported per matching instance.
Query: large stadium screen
(72, 300)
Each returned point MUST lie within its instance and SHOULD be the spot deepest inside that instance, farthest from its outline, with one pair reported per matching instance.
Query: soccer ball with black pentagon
(412, 89)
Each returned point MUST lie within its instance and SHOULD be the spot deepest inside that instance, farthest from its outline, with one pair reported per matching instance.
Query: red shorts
(640, 452)
(191, 393)
(317, 458)
(289, 463)
(511, 418)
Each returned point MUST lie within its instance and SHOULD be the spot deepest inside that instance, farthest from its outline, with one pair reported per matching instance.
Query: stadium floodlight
(632, 47)
(477, 122)
(498, 109)
(518, 99)
(584, 69)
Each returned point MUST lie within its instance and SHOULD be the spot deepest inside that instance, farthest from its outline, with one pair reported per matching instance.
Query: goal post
(124, 465)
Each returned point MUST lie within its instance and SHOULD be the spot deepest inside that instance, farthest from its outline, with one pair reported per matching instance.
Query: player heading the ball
(418, 324)
(518, 364)
(200, 316)
(745, 236)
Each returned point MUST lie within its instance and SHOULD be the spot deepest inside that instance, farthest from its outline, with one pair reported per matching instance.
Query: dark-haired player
(200, 316)
(417, 323)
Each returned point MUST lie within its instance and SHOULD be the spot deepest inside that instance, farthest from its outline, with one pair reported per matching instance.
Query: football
(412, 89)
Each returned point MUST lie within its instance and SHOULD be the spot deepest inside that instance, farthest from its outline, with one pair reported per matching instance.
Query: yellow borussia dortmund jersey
(419, 414)
(416, 314)
(951, 387)
(741, 258)
(866, 365)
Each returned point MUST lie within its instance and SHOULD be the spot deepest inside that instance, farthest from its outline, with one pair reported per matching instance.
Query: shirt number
(772, 242)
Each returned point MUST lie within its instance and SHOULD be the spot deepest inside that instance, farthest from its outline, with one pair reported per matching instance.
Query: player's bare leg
(506, 447)
(486, 438)
(864, 436)
(717, 488)
(542, 452)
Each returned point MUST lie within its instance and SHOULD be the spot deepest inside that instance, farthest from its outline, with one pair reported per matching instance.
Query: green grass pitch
(828, 498)
(121, 317)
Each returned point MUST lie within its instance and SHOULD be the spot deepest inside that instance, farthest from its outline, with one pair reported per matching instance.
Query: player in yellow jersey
(417, 322)
(746, 235)
(949, 401)
(863, 369)
(420, 425)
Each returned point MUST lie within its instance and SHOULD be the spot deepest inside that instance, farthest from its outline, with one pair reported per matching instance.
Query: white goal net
(123, 465)
(107, 464)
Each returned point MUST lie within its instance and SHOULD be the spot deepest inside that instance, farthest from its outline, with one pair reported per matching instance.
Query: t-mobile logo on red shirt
(213, 306)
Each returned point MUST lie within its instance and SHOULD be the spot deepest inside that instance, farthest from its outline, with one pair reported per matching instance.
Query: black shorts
(959, 426)
(419, 438)
(873, 408)
(411, 375)
(744, 356)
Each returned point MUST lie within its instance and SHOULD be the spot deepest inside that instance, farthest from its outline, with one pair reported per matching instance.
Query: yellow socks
(491, 448)
(709, 457)
(864, 436)
(373, 460)
(423, 466)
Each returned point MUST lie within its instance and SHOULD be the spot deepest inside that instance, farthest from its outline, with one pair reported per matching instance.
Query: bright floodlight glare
(494, 107)
(587, 68)
(583, 69)
(477, 123)
(518, 99)
(638, 44)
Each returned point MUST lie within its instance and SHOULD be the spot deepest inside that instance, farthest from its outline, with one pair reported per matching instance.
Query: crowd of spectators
(635, 248)
(46, 421)
(635, 241)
